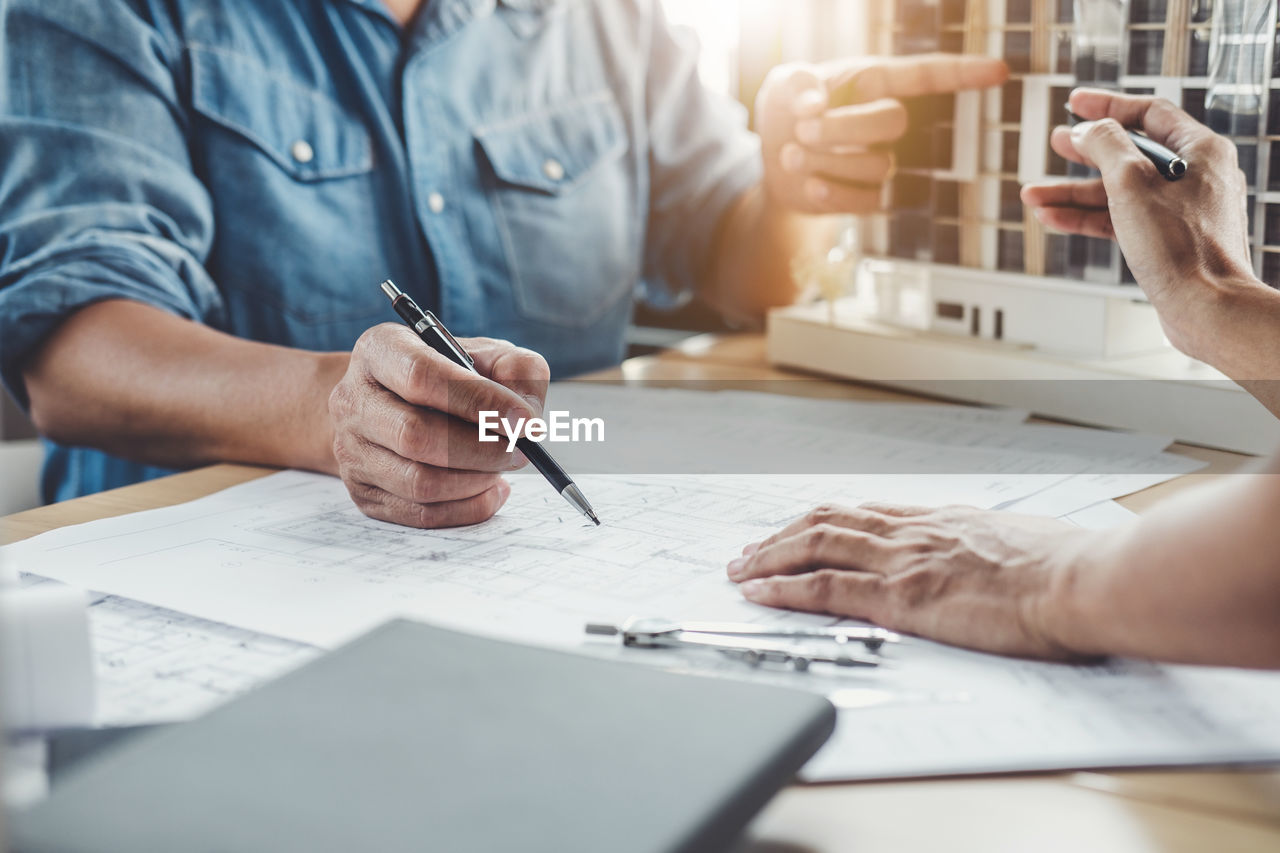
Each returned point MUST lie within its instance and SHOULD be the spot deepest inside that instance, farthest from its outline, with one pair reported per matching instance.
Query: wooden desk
(1192, 811)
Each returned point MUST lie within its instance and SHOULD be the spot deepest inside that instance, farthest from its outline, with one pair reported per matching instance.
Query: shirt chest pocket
(308, 134)
(562, 197)
(289, 169)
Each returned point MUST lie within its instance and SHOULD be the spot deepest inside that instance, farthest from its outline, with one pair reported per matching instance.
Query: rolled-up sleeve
(702, 159)
(98, 198)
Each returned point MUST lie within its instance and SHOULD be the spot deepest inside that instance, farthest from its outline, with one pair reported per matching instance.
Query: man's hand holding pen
(1186, 241)
(405, 435)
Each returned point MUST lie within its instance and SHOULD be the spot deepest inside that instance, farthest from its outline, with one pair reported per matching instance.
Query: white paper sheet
(293, 565)
(153, 665)
(156, 665)
(289, 555)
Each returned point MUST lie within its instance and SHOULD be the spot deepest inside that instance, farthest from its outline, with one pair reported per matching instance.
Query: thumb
(1106, 145)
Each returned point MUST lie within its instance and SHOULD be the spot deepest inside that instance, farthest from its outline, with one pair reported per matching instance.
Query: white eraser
(46, 658)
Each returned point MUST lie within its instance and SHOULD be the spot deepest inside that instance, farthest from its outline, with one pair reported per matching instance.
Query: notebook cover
(418, 738)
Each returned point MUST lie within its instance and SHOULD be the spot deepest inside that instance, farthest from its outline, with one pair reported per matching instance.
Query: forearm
(145, 385)
(1242, 339)
(1197, 580)
(754, 249)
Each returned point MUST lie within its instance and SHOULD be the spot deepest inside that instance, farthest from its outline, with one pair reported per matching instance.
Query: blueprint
(153, 665)
(198, 602)
(288, 557)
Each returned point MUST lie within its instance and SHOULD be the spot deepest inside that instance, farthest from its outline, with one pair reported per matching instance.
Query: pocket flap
(308, 134)
(552, 150)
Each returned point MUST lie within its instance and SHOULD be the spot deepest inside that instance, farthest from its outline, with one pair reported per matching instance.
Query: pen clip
(434, 322)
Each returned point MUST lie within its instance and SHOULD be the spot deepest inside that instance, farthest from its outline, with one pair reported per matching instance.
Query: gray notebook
(418, 738)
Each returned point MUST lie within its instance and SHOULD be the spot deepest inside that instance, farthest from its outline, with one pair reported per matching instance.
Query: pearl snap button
(302, 151)
(435, 201)
(553, 170)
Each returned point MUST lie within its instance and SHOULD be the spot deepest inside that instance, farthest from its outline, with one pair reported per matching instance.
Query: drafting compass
(755, 644)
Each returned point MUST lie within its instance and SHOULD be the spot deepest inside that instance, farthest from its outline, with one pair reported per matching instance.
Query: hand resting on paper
(1196, 580)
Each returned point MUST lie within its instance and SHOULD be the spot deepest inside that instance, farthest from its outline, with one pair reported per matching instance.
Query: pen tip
(389, 288)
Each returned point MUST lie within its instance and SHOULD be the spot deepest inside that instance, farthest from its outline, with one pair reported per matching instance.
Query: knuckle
(418, 369)
(818, 538)
(360, 350)
(340, 399)
(1106, 127)
(363, 495)
(343, 454)
(376, 341)
(1223, 148)
(823, 514)
(820, 585)
(413, 439)
(422, 483)
(538, 366)
(470, 396)
(869, 521)
(529, 365)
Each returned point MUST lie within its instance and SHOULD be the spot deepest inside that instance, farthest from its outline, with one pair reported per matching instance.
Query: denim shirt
(525, 167)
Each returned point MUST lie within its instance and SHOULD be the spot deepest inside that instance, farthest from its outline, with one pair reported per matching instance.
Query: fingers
(1106, 145)
(394, 357)
(380, 504)
(908, 76)
(819, 547)
(1060, 142)
(869, 168)
(1075, 220)
(862, 518)
(855, 595)
(1090, 194)
(1074, 207)
(422, 435)
(1157, 117)
(412, 481)
(522, 370)
(896, 510)
(859, 125)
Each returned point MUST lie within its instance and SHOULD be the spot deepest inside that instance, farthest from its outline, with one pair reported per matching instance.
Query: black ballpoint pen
(1167, 162)
(435, 335)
